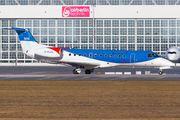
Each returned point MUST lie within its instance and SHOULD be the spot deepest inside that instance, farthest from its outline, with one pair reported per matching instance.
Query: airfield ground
(90, 100)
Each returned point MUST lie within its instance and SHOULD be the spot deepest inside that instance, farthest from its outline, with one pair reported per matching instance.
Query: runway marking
(20, 76)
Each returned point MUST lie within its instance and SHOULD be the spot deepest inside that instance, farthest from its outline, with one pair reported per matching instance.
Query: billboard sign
(75, 11)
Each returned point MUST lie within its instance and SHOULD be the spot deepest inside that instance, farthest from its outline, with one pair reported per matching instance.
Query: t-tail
(33, 49)
(27, 40)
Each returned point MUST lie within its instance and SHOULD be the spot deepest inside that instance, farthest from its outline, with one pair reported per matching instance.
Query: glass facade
(118, 34)
(89, 2)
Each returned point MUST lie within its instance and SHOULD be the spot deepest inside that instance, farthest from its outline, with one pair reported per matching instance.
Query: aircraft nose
(166, 62)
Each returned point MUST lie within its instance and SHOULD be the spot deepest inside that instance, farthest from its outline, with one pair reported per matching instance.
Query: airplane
(173, 54)
(89, 59)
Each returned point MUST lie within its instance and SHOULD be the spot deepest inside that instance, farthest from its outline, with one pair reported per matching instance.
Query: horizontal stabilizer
(14, 28)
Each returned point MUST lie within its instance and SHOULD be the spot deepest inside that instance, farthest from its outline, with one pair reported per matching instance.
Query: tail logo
(26, 38)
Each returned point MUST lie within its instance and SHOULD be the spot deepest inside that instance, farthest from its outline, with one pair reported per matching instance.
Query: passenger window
(115, 55)
(74, 54)
(84, 54)
(95, 55)
(69, 54)
(105, 55)
(150, 55)
(90, 55)
(124, 56)
(110, 55)
(100, 55)
(79, 54)
(119, 55)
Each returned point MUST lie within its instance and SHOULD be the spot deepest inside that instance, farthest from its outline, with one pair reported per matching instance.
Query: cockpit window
(150, 55)
(155, 55)
(171, 52)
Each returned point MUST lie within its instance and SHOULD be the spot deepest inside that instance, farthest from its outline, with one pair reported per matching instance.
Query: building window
(131, 39)
(148, 39)
(148, 47)
(131, 46)
(107, 31)
(131, 23)
(140, 39)
(107, 39)
(131, 31)
(107, 23)
(107, 46)
(156, 23)
(60, 31)
(164, 23)
(123, 23)
(99, 31)
(148, 31)
(99, 39)
(123, 31)
(140, 23)
(84, 39)
(172, 39)
(140, 47)
(84, 31)
(115, 31)
(60, 39)
(84, 46)
(164, 39)
(84, 23)
(43, 23)
(172, 23)
(115, 23)
(156, 39)
(164, 31)
(60, 23)
(68, 23)
(115, 39)
(123, 39)
(148, 23)
(156, 31)
(68, 39)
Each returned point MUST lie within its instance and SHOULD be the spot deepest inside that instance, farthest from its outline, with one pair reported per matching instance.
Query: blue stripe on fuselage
(140, 56)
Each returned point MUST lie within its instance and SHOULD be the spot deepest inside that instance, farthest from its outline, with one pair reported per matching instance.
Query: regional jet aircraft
(86, 58)
(173, 54)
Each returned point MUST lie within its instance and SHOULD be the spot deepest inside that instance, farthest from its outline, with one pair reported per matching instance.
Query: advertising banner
(75, 11)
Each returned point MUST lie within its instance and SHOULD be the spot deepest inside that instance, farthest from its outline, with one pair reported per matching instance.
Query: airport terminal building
(151, 25)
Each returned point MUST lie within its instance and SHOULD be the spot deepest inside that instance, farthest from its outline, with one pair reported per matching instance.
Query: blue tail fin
(27, 40)
(24, 34)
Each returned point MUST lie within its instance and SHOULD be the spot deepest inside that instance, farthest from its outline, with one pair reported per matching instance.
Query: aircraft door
(61, 53)
(132, 58)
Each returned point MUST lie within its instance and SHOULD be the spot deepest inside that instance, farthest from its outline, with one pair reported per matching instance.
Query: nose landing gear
(160, 72)
(77, 71)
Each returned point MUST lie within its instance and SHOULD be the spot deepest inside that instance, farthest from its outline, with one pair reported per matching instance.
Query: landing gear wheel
(87, 71)
(160, 72)
(76, 71)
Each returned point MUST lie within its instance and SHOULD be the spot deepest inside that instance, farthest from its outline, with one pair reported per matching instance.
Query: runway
(65, 74)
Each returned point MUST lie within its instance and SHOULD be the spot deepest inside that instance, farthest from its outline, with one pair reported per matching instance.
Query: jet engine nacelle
(173, 54)
(46, 54)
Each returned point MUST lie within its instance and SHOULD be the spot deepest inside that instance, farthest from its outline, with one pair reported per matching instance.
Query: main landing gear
(78, 71)
(89, 71)
(160, 72)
